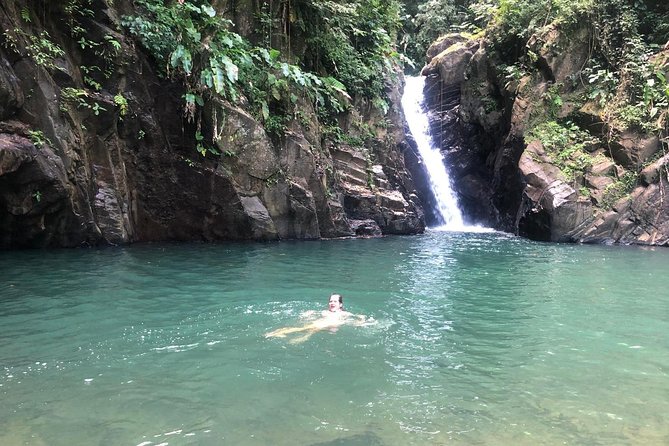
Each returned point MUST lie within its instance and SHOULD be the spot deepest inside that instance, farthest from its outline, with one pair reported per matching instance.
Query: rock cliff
(594, 181)
(95, 149)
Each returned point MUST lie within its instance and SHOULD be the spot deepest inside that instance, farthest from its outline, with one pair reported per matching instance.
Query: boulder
(631, 149)
(547, 195)
(35, 198)
(561, 54)
(652, 173)
(451, 63)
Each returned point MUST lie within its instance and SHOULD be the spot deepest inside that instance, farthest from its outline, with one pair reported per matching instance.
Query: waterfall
(446, 209)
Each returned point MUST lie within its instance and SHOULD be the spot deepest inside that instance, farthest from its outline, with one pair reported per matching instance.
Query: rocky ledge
(607, 184)
(79, 167)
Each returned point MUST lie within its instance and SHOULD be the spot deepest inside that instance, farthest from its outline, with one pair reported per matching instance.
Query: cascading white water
(446, 210)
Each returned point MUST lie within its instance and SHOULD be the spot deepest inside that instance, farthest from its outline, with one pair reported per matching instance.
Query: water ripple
(481, 339)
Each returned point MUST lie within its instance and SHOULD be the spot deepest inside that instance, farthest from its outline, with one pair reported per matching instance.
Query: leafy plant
(88, 77)
(566, 144)
(202, 147)
(113, 43)
(37, 138)
(275, 125)
(512, 73)
(619, 189)
(80, 98)
(122, 104)
(40, 48)
(553, 100)
(77, 17)
(197, 47)
(25, 15)
(351, 40)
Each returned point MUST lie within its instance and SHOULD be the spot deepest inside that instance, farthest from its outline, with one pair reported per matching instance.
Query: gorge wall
(89, 159)
(534, 154)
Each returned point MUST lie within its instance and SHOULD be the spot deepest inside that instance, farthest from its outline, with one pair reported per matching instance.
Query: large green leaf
(207, 9)
(181, 58)
(206, 78)
(218, 76)
(231, 69)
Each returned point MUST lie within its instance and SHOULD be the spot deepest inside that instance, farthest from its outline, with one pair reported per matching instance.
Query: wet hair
(339, 296)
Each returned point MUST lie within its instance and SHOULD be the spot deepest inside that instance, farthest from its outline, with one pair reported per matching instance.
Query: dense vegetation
(620, 72)
(331, 52)
(337, 52)
(625, 36)
(623, 80)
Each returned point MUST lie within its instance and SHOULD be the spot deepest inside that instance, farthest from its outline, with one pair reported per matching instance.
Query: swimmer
(330, 319)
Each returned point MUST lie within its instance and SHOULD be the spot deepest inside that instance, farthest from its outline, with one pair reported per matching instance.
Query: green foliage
(619, 189)
(122, 104)
(77, 17)
(602, 84)
(620, 76)
(360, 137)
(350, 44)
(76, 9)
(38, 139)
(203, 147)
(25, 15)
(512, 74)
(566, 144)
(630, 87)
(553, 100)
(522, 18)
(352, 40)
(426, 21)
(197, 47)
(114, 44)
(40, 48)
(89, 76)
(75, 96)
(275, 125)
(81, 99)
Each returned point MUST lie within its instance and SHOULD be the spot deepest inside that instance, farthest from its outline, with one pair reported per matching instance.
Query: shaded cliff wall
(534, 154)
(95, 149)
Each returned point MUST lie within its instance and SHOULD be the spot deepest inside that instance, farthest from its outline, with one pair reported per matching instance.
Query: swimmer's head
(336, 302)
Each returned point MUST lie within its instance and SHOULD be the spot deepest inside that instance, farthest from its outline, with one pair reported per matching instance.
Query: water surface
(483, 339)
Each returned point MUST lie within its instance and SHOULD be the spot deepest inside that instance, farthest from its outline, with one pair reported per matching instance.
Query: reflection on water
(483, 338)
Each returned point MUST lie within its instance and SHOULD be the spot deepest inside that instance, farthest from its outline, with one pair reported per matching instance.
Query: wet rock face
(505, 181)
(76, 168)
(35, 205)
(467, 121)
(11, 95)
